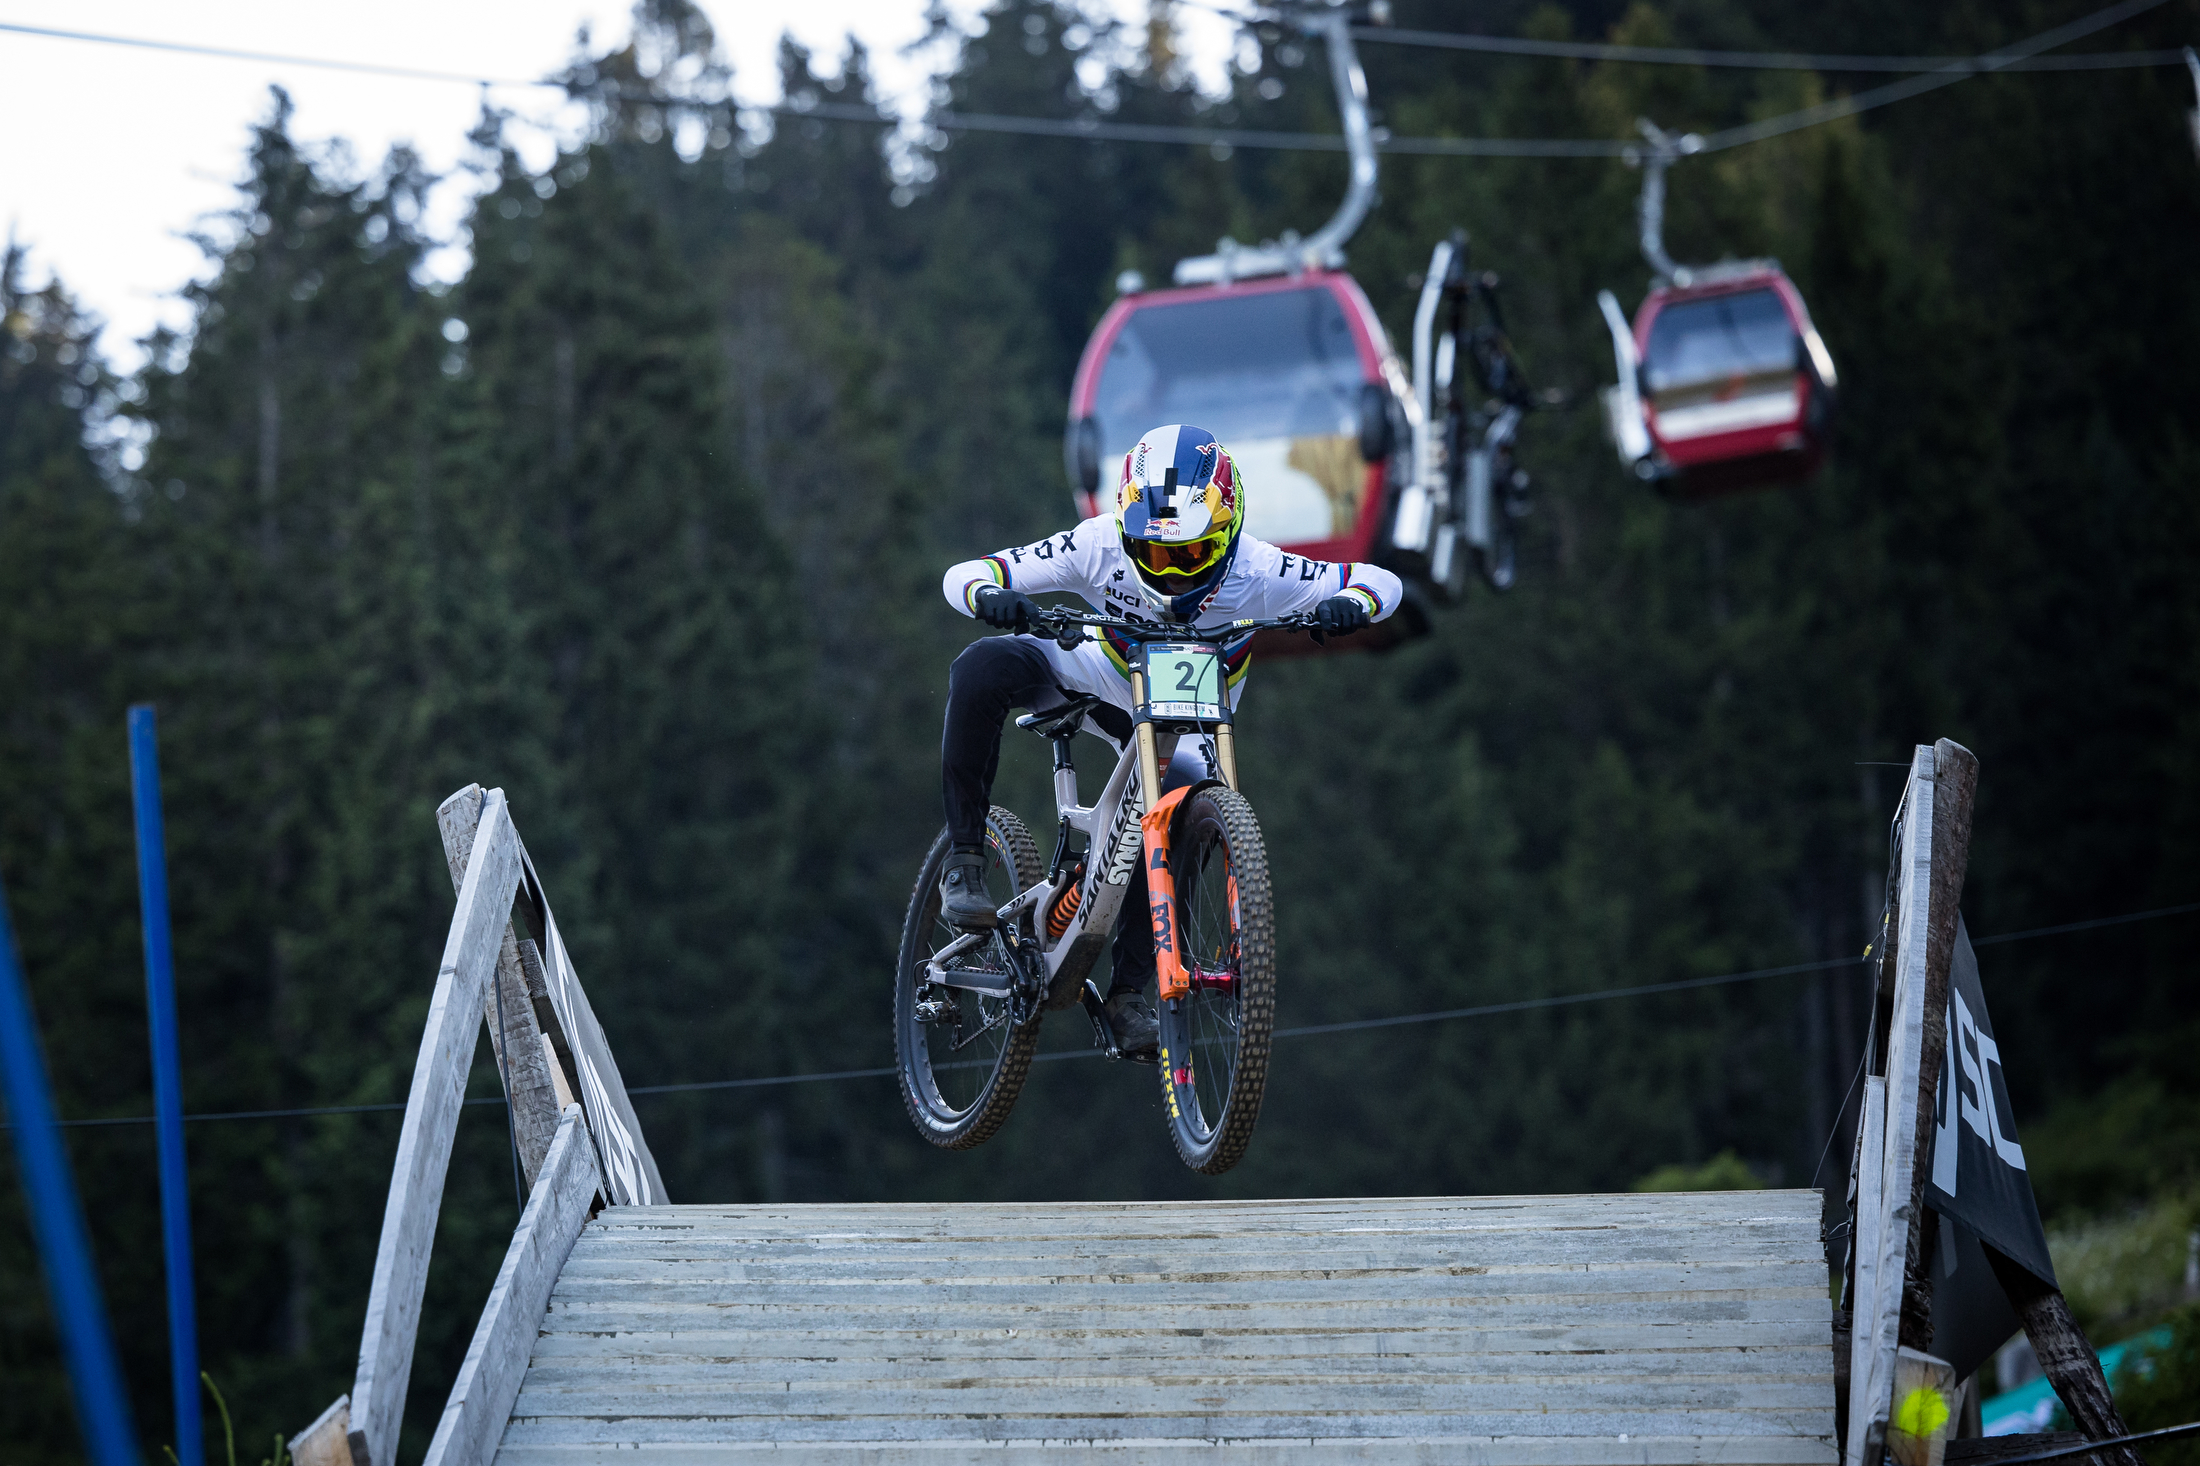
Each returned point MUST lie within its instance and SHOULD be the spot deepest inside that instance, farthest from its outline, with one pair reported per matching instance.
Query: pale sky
(110, 155)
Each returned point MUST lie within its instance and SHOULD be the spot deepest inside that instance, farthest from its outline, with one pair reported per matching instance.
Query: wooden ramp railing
(1887, 1309)
(573, 1127)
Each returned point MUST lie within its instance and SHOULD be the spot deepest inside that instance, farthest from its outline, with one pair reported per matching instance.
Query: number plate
(1184, 680)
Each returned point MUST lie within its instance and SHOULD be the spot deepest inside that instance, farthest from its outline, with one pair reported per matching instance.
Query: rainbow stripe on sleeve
(1237, 661)
(997, 568)
(1344, 581)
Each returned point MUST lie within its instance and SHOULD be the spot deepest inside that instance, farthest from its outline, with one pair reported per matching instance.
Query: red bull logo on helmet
(1178, 484)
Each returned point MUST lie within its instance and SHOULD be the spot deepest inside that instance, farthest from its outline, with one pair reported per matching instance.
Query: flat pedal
(1103, 1032)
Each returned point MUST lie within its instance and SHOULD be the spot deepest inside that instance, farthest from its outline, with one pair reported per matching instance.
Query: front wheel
(961, 1053)
(1215, 1039)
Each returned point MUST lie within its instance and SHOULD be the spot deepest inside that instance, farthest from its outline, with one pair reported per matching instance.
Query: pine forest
(643, 521)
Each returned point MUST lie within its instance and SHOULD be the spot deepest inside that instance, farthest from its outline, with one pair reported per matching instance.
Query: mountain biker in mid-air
(1175, 550)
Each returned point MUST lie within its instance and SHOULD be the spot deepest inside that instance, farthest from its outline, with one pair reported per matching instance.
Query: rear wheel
(961, 1054)
(1215, 1039)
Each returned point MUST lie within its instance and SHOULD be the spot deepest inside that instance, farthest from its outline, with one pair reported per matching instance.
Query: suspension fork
(1168, 948)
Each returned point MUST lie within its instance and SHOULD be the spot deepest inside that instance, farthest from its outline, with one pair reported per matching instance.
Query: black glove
(1341, 615)
(1010, 610)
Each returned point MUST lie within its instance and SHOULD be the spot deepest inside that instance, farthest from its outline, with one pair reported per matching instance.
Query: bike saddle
(1064, 721)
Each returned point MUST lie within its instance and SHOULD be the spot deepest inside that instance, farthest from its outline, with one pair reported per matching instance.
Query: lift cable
(1756, 60)
(1563, 1000)
(1097, 130)
(1705, 56)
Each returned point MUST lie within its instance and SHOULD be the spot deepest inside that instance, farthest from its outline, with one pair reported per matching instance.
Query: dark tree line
(643, 522)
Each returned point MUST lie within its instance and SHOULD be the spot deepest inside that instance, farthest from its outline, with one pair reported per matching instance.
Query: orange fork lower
(1168, 955)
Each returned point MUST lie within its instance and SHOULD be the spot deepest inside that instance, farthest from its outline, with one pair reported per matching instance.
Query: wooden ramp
(1571, 1330)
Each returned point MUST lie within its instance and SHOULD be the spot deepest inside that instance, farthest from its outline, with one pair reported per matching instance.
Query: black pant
(992, 676)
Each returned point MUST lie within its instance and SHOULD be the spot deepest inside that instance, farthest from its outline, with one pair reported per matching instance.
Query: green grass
(2124, 1271)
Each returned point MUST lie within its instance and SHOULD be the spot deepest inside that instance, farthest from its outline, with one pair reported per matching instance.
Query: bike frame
(1131, 821)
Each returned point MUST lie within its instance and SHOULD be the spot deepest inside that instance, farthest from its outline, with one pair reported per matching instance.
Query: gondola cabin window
(1722, 364)
(1274, 374)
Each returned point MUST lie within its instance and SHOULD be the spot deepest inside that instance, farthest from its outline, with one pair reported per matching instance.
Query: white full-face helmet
(1179, 507)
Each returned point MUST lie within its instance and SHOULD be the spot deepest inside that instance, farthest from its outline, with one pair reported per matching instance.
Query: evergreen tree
(642, 522)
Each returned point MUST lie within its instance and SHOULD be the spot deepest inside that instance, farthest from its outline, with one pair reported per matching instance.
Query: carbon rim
(954, 1059)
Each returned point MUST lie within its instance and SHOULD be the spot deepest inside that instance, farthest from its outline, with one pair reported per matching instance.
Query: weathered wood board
(524, 1059)
(424, 1141)
(1878, 1317)
(1568, 1330)
(496, 1360)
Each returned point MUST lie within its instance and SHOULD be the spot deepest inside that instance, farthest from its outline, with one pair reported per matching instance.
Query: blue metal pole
(160, 1005)
(57, 1222)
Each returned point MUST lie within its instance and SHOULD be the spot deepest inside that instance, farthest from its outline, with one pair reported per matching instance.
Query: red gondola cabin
(1292, 373)
(1737, 389)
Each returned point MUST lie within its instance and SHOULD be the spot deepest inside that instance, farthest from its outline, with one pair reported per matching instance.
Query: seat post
(1065, 769)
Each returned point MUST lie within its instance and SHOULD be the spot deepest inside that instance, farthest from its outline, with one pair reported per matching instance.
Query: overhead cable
(1914, 86)
(1752, 60)
(1563, 1000)
(231, 53)
(2018, 56)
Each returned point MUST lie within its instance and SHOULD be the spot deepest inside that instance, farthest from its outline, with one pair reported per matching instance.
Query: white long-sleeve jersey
(1088, 560)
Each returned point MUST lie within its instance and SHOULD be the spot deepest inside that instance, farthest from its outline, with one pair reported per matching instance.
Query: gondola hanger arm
(1664, 148)
(1324, 248)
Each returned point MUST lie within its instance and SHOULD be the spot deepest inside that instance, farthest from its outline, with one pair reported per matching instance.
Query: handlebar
(1062, 622)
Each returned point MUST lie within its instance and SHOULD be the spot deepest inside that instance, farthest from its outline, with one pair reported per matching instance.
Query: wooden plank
(489, 1380)
(530, 1089)
(1428, 1287)
(1759, 1336)
(1206, 1424)
(948, 1408)
(424, 1141)
(1527, 1255)
(1871, 1153)
(326, 1442)
(1104, 1318)
(829, 1269)
(1390, 1213)
(1438, 1361)
(1877, 1332)
(1955, 784)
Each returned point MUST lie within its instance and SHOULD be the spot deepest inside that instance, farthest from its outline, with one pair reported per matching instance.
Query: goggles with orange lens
(1189, 558)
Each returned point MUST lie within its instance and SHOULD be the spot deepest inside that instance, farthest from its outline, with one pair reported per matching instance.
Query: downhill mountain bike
(1473, 397)
(968, 1005)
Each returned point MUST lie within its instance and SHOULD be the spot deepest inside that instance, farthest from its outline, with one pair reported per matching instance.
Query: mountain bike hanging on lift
(968, 1005)
(1469, 492)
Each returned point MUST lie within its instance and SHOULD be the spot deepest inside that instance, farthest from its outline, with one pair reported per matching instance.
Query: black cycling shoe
(963, 902)
(1137, 1027)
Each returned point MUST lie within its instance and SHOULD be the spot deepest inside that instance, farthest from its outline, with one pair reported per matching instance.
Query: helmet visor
(1191, 558)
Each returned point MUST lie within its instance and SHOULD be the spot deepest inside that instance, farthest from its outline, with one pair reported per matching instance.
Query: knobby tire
(1214, 1046)
(932, 1095)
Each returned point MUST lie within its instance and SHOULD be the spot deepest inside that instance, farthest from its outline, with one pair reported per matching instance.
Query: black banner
(1978, 1184)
